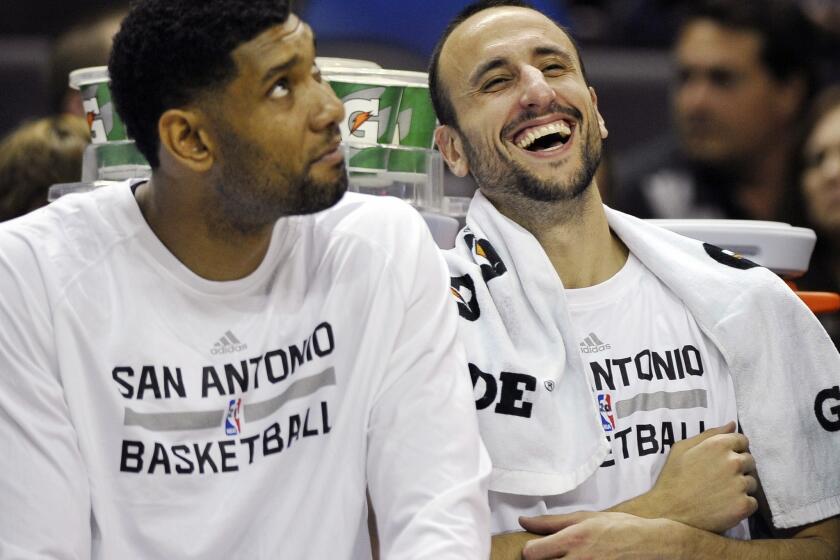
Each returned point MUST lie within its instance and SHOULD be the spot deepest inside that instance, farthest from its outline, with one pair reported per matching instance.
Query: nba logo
(605, 407)
(232, 426)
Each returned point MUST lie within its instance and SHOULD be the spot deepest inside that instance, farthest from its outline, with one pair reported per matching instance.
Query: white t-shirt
(146, 412)
(657, 379)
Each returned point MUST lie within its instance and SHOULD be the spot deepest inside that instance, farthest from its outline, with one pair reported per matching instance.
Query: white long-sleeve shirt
(146, 412)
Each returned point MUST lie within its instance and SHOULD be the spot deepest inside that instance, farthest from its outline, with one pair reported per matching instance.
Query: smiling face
(821, 174)
(527, 124)
(276, 131)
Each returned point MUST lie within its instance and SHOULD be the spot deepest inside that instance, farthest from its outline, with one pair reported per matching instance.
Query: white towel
(538, 419)
(785, 370)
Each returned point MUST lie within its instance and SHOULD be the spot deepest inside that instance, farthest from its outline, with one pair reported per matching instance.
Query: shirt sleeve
(45, 507)
(427, 468)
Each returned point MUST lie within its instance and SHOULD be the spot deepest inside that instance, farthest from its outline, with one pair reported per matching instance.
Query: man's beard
(252, 194)
(498, 173)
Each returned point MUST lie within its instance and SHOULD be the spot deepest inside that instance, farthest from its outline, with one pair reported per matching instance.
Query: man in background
(744, 76)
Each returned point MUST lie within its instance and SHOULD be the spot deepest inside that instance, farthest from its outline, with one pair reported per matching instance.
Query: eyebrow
(500, 61)
(280, 68)
(554, 51)
(485, 67)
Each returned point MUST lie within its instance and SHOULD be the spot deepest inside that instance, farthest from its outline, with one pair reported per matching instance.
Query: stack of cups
(111, 155)
(388, 130)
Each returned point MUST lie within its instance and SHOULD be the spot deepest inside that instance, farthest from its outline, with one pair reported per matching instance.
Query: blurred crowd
(754, 105)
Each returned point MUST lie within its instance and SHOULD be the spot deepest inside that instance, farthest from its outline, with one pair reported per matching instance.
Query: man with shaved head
(605, 354)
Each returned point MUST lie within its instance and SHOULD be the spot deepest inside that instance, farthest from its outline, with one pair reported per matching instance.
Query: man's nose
(329, 111)
(537, 93)
(694, 94)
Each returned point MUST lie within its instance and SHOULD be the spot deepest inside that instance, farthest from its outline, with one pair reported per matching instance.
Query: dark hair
(168, 52)
(437, 90)
(824, 103)
(789, 42)
(36, 155)
(820, 275)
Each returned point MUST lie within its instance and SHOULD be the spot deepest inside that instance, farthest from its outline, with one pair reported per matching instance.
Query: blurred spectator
(745, 75)
(84, 45)
(625, 23)
(826, 16)
(816, 202)
(36, 155)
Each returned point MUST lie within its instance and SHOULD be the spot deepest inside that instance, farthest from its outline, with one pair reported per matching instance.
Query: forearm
(651, 506)
(712, 516)
(644, 506)
(695, 544)
(508, 546)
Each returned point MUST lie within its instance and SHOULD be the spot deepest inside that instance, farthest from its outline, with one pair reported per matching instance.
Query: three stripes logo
(227, 344)
(592, 344)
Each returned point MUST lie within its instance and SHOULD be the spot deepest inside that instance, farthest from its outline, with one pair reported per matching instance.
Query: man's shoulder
(383, 221)
(62, 236)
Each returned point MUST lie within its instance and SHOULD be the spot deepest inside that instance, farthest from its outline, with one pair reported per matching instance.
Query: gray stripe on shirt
(300, 388)
(675, 400)
(208, 419)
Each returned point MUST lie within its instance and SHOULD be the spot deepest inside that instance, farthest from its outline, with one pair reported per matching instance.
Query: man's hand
(707, 482)
(602, 535)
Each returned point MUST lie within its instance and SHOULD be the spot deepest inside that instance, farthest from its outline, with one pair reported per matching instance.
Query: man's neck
(183, 218)
(574, 234)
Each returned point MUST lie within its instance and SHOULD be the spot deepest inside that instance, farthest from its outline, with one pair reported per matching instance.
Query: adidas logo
(227, 344)
(592, 344)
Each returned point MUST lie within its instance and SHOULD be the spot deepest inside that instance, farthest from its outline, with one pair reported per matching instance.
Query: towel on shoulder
(536, 411)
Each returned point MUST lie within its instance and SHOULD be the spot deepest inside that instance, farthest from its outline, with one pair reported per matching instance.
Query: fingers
(727, 428)
(740, 443)
(733, 442)
(750, 484)
(747, 462)
(749, 507)
(545, 548)
(547, 524)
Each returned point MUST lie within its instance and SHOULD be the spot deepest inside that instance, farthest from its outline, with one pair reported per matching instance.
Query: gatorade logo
(362, 121)
(359, 120)
(94, 120)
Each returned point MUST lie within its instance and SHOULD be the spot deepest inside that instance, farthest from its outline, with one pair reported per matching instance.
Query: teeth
(559, 127)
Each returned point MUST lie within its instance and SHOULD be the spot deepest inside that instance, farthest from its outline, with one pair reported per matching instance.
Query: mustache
(553, 109)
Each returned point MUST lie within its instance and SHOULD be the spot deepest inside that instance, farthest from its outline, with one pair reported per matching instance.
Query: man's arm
(508, 546)
(706, 483)
(44, 493)
(427, 468)
(607, 535)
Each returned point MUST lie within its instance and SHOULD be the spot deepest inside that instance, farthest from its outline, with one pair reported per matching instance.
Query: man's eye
(723, 78)
(280, 89)
(553, 68)
(493, 83)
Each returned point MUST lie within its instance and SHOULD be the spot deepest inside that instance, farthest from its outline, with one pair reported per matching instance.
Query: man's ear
(184, 135)
(451, 146)
(602, 126)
